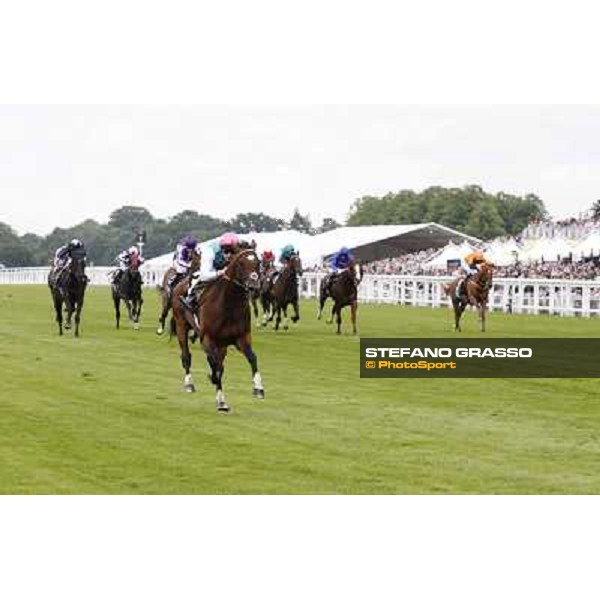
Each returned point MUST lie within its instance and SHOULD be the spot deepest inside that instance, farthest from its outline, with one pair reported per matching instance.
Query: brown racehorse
(170, 280)
(221, 320)
(68, 286)
(284, 291)
(129, 290)
(477, 294)
(344, 292)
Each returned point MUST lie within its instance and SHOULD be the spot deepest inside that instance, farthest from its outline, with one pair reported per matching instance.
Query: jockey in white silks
(213, 263)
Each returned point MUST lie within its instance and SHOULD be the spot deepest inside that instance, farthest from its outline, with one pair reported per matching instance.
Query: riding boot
(189, 300)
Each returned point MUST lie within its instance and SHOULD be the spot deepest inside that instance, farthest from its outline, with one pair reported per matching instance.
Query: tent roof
(371, 242)
(375, 242)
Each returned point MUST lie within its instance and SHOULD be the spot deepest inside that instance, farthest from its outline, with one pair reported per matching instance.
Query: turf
(106, 414)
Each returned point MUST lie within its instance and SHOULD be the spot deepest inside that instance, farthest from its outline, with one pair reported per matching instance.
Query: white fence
(529, 296)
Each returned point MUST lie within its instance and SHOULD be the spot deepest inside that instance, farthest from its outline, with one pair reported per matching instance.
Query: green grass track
(106, 414)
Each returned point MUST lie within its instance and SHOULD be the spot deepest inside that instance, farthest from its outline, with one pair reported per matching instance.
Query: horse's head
(485, 275)
(77, 267)
(295, 264)
(243, 270)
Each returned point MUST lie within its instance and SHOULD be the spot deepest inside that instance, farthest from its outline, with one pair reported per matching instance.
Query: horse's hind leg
(245, 347)
(322, 300)
(286, 325)
(166, 305)
(459, 309)
(186, 356)
(338, 311)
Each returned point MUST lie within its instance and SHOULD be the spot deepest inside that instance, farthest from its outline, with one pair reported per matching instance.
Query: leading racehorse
(129, 289)
(221, 320)
(476, 292)
(67, 286)
(343, 290)
(284, 291)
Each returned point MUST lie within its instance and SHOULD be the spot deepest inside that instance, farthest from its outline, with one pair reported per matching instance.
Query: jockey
(212, 266)
(469, 266)
(339, 262)
(286, 253)
(124, 260)
(267, 260)
(63, 255)
(182, 259)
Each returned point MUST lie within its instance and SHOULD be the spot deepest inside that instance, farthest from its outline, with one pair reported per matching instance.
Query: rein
(233, 263)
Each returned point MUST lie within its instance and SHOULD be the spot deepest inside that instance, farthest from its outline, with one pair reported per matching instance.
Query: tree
(132, 218)
(247, 222)
(328, 224)
(465, 209)
(596, 210)
(13, 252)
(301, 223)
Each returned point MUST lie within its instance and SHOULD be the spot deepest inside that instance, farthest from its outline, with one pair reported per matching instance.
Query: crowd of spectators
(575, 228)
(571, 229)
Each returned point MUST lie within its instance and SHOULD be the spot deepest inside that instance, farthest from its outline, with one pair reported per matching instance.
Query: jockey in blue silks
(339, 262)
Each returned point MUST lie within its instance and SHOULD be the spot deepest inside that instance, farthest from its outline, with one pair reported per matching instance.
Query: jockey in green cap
(286, 253)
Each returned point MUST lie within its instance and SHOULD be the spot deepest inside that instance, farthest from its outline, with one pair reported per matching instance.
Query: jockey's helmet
(133, 250)
(268, 255)
(75, 243)
(189, 242)
(229, 240)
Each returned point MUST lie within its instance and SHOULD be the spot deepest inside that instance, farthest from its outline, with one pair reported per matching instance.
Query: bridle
(234, 265)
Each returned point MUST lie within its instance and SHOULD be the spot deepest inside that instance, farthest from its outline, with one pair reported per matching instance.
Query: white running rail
(529, 296)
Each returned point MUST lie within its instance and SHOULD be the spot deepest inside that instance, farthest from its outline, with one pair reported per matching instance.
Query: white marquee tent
(368, 243)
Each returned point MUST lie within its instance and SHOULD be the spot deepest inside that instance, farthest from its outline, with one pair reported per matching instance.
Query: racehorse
(166, 291)
(477, 293)
(344, 292)
(129, 289)
(221, 320)
(67, 286)
(264, 295)
(283, 290)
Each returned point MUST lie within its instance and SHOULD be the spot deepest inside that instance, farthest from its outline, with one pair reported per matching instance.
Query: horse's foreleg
(117, 303)
(286, 325)
(482, 308)
(216, 360)
(296, 308)
(58, 310)
(245, 347)
(278, 317)
(353, 309)
(78, 316)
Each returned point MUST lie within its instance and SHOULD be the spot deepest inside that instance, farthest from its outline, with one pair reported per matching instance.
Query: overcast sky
(62, 164)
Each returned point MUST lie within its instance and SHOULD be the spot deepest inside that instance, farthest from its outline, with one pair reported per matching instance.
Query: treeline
(468, 209)
(104, 241)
